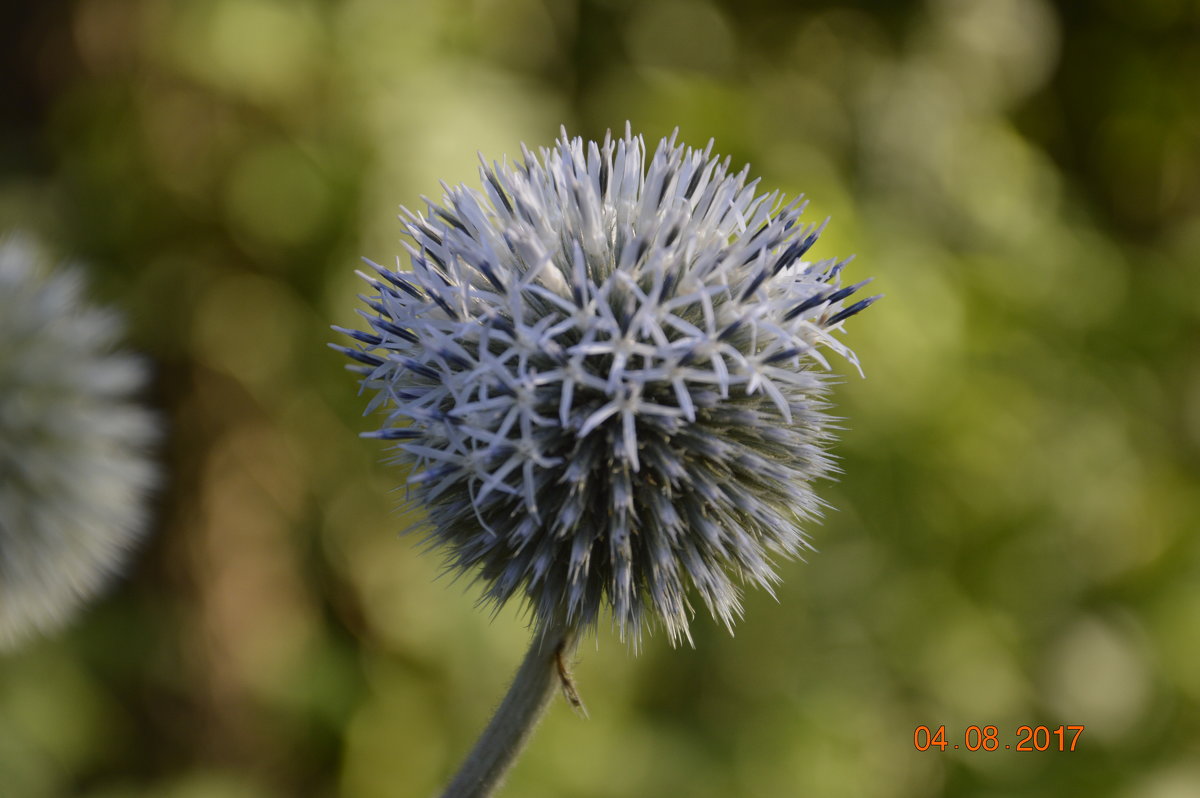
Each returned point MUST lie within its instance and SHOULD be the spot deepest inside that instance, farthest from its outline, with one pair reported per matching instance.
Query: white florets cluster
(604, 373)
(74, 473)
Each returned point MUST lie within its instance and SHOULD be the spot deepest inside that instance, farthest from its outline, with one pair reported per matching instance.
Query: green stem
(541, 673)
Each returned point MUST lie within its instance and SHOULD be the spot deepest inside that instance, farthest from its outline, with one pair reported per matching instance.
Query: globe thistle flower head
(73, 470)
(605, 373)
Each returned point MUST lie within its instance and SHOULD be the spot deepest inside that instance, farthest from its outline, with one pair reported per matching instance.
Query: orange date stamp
(988, 738)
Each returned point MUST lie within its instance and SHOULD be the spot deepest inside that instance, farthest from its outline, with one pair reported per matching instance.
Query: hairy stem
(541, 673)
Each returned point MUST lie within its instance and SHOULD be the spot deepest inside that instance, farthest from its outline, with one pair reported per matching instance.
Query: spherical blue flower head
(75, 471)
(606, 377)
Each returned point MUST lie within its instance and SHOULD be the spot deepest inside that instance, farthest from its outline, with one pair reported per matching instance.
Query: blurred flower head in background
(74, 469)
(604, 371)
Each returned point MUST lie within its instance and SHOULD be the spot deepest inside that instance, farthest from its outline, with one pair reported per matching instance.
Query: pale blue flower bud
(605, 375)
(74, 472)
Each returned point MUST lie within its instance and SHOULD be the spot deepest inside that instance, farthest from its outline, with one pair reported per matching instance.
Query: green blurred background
(1015, 540)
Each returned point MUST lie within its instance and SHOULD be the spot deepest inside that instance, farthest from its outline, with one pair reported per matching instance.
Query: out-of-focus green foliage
(1015, 540)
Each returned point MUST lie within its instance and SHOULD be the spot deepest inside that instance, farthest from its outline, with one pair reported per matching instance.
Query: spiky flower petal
(73, 469)
(606, 377)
